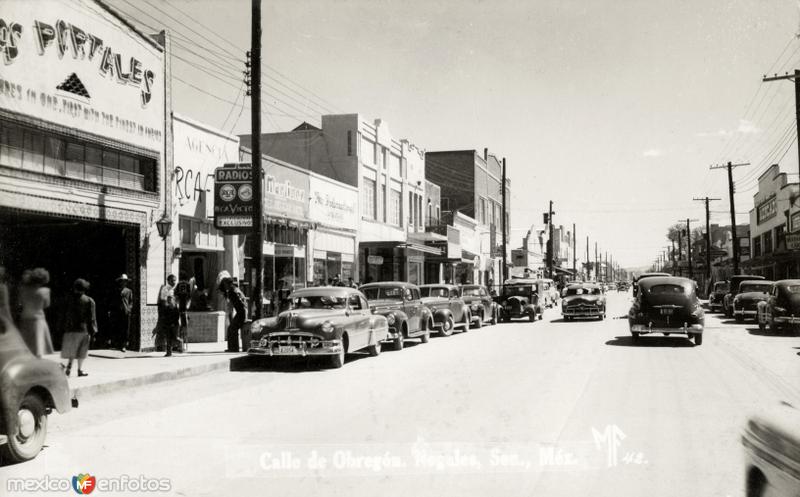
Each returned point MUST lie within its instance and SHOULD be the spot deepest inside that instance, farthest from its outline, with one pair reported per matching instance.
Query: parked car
(401, 304)
(482, 308)
(718, 295)
(751, 292)
(447, 307)
(520, 299)
(643, 276)
(782, 306)
(772, 453)
(321, 321)
(583, 300)
(668, 305)
(727, 300)
(30, 388)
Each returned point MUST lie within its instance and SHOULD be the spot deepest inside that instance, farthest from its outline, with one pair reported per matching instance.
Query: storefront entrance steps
(112, 370)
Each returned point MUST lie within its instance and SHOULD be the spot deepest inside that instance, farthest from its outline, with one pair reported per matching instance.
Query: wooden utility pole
(708, 235)
(734, 235)
(689, 245)
(596, 264)
(574, 253)
(255, 123)
(552, 244)
(796, 78)
(504, 271)
(588, 273)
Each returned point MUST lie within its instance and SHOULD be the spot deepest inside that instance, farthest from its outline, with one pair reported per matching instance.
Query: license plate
(286, 349)
(666, 312)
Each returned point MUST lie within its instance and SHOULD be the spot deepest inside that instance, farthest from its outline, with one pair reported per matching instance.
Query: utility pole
(596, 264)
(552, 245)
(504, 271)
(796, 78)
(588, 273)
(680, 253)
(708, 235)
(689, 245)
(574, 253)
(255, 123)
(734, 236)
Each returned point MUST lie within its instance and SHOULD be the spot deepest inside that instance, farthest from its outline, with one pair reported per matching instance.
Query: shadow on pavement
(651, 341)
(769, 333)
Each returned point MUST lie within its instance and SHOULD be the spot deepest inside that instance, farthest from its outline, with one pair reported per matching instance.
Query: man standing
(120, 314)
(183, 293)
(239, 312)
(166, 300)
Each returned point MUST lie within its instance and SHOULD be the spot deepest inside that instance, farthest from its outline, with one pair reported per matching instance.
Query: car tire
(337, 361)
(30, 430)
(635, 335)
(761, 325)
(426, 337)
(698, 339)
(447, 326)
(466, 323)
(479, 321)
(494, 317)
(740, 319)
(398, 343)
(374, 350)
(567, 318)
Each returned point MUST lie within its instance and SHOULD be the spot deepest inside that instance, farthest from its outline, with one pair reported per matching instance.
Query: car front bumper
(786, 319)
(747, 313)
(689, 330)
(583, 313)
(268, 348)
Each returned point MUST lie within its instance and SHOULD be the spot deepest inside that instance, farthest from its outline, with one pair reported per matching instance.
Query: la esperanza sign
(75, 64)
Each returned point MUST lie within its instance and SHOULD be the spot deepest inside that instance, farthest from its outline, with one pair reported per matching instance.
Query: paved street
(549, 408)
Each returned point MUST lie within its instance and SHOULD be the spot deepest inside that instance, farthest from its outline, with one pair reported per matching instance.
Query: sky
(612, 109)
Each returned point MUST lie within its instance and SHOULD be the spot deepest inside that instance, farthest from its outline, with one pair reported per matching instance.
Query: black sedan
(668, 305)
(583, 300)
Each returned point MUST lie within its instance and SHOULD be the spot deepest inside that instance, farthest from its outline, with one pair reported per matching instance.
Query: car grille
(582, 309)
(750, 306)
(299, 341)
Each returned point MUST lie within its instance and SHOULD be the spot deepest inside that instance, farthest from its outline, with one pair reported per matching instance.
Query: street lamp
(164, 225)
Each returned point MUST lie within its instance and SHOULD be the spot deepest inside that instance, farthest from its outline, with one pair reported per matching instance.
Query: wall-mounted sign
(332, 204)
(767, 210)
(376, 260)
(233, 199)
(794, 221)
(77, 65)
(793, 241)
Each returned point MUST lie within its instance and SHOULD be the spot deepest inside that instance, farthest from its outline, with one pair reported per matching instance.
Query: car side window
(407, 294)
(453, 293)
(355, 302)
(482, 292)
(415, 294)
(364, 304)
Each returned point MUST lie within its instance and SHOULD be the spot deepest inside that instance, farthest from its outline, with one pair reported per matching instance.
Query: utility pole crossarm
(726, 166)
(767, 79)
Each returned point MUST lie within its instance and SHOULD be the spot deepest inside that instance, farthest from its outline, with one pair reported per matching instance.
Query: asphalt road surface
(550, 408)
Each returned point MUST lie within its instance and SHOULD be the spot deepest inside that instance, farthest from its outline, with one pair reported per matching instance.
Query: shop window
(33, 153)
(94, 164)
(780, 237)
(11, 146)
(349, 143)
(368, 198)
(55, 156)
(75, 160)
(394, 208)
(767, 243)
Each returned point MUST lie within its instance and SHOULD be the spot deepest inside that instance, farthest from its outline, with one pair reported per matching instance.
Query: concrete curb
(89, 391)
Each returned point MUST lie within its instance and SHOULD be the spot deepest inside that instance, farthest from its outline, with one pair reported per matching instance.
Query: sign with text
(767, 210)
(793, 241)
(233, 199)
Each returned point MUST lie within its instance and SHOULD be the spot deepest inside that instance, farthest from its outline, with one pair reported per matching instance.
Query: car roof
(787, 282)
(664, 280)
(384, 284)
(326, 290)
(651, 275)
(744, 277)
(760, 282)
(432, 285)
(583, 285)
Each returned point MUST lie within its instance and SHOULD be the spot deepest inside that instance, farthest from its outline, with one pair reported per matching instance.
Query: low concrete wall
(206, 326)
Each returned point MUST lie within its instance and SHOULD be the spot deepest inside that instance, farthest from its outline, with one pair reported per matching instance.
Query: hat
(81, 285)
(123, 277)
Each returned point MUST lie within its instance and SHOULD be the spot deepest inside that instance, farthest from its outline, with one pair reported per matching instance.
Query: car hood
(583, 299)
(750, 296)
(305, 319)
(470, 299)
(385, 304)
(435, 301)
(777, 428)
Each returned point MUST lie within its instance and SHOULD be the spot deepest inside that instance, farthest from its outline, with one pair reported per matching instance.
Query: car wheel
(447, 326)
(698, 339)
(494, 318)
(465, 324)
(773, 328)
(374, 350)
(28, 431)
(740, 319)
(425, 338)
(479, 321)
(666, 334)
(337, 360)
(601, 317)
(567, 318)
(398, 342)
(761, 325)
(635, 335)
(532, 316)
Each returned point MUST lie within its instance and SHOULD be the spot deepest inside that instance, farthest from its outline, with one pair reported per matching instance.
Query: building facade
(84, 146)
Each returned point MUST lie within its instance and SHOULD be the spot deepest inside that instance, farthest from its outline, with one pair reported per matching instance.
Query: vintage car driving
(30, 388)
(321, 321)
(520, 299)
(733, 290)
(782, 306)
(583, 300)
(751, 292)
(401, 304)
(771, 443)
(717, 295)
(643, 276)
(447, 307)
(668, 305)
(482, 307)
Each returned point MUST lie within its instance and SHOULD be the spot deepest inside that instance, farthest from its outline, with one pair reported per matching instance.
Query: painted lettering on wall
(192, 185)
(284, 189)
(81, 45)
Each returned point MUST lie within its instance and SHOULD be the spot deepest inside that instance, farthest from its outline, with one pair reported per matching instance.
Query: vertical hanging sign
(233, 198)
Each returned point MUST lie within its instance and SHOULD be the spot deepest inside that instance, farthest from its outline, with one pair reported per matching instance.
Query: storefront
(82, 155)
(333, 207)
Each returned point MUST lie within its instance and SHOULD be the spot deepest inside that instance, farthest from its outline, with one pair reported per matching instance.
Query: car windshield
(471, 292)
(793, 288)
(519, 290)
(318, 302)
(433, 291)
(754, 287)
(583, 291)
(721, 287)
(667, 289)
(383, 293)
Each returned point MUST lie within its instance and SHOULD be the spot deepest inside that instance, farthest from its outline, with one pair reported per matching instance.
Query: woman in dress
(35, 298)
(81, 324)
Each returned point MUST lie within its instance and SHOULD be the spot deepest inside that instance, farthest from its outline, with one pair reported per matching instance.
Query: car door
(486, 301)
(411, 306)
(359, 316)
(456, 304)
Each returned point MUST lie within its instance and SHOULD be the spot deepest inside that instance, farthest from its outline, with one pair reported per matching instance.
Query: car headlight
(390, 319)
(326, 327)
(474, 306)
(256, 327)
(780, 309)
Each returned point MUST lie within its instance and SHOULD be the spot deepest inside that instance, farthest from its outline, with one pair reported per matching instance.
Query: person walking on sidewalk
(168, 325)
(238, 315)
(183, 295)
(35, 298)
(80, 325)
(120, 310)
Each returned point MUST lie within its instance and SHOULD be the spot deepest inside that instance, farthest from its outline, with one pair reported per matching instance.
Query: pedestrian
(80, 326)
(35, 298)
(238, 312)
(351, 283)
(5, 307)
(168, 324)
(183, 295)
(119, 312)
(166, 301)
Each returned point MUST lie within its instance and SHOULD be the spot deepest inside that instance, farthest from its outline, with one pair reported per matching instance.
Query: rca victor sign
(233, 198)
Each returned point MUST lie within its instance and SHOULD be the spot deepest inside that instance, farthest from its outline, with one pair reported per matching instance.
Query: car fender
(38, 375)
(441, 315)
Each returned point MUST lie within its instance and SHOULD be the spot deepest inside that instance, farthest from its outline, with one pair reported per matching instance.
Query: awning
(423, 248)
(564, 271)
(287, 221)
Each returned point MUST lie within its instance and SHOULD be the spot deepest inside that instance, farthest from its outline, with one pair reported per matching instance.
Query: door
(359, 317)
(487, 304)
(456, 305)
(413, 309)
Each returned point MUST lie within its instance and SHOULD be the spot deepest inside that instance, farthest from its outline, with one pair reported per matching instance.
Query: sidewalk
(112, 370)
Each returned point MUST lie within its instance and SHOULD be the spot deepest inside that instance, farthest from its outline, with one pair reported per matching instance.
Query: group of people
(80, 321)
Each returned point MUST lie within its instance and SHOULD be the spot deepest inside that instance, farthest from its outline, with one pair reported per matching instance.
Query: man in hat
(120, 309)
